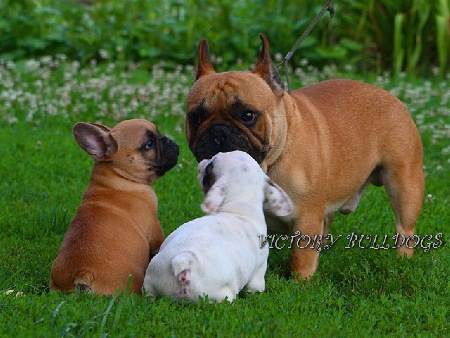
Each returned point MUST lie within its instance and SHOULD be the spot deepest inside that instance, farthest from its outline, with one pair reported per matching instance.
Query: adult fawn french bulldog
(322, 144)
(116, 230)
(221, 253)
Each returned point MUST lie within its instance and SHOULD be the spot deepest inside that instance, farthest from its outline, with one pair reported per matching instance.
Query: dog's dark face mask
(167, 155)
(166, 152)
(223, 136)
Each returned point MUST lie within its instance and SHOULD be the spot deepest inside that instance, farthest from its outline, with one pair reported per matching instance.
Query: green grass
(355, 292)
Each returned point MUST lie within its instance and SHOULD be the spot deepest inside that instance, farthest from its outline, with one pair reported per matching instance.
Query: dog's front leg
(305, 241)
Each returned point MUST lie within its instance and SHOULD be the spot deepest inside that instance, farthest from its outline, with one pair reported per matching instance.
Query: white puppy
(219, 254)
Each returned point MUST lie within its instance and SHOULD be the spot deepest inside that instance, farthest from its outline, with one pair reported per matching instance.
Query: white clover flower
(10, 65)
(46, 60)
(104, 54)
(348, 67)
(32, 65)
(61, 57)
(111, 67)
(11, 120)
(75, 65)
(11, 292)
(304, 62)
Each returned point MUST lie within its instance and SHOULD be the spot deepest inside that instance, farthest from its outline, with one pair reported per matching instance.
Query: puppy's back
(193, 262)
(102, 248)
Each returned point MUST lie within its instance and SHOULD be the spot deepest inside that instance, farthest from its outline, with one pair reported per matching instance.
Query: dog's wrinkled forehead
(136, 128)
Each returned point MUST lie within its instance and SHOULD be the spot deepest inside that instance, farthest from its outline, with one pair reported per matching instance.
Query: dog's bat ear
(101, 126)
(95, 139)
(204, 66)
(277, 201)
(267, 70)
(215, 196)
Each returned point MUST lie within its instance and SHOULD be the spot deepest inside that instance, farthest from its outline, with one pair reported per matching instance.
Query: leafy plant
(443, 34)
(409, 35)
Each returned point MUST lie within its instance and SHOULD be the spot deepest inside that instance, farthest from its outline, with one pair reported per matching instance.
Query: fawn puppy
(116, 230)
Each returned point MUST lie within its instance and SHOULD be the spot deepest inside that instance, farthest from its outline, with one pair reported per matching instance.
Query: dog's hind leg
(83, 281)
(257, 283)
(222, 294)
(405, 186)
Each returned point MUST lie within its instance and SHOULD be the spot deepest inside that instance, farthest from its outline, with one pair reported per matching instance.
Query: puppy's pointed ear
(101, 126)
(204, 66)
(95, 139)
(215, 196)
(267, 70)
(277, 201)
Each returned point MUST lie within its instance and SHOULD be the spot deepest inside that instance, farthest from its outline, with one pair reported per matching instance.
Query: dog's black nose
(220, 133)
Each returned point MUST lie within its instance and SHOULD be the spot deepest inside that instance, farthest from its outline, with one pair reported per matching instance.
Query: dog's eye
(149, 145)
(248, 117)
(195, 119)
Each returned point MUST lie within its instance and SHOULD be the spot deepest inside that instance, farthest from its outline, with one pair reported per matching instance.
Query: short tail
(83, 281)
(181, 267)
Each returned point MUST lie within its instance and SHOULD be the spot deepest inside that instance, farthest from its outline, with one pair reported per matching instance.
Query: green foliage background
(407, 35)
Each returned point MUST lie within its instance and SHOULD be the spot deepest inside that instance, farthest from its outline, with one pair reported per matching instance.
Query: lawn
(355, 292)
